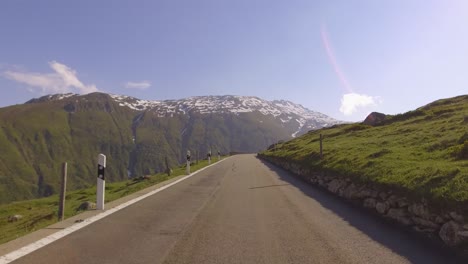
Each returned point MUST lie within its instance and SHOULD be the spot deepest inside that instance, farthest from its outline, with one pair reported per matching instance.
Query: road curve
(240, 211)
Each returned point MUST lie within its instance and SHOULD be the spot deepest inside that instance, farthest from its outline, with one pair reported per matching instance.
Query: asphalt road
(240, 211)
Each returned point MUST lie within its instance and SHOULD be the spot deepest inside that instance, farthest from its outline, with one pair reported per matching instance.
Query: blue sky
(342, 58)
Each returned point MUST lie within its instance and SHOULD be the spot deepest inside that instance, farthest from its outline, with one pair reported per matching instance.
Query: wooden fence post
(168, 170)
(188, 162)
(63, 189)
(321, 147)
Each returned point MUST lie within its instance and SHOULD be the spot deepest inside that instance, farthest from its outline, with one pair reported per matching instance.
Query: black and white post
(209, 157)
(188, 162)
(219, 155)
(101, 183)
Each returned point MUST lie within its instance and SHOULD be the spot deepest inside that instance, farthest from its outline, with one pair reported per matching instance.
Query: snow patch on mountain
(287, 112)
(220, 104)
(298, 118)
(301, 125)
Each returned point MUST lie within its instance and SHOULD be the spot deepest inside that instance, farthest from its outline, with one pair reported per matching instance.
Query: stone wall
(449, 226)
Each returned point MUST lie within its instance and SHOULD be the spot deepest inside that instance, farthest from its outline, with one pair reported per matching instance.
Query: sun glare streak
(331, 58)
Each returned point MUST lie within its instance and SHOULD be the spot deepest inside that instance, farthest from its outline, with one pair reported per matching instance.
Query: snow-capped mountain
(295, 117)
(287, 112)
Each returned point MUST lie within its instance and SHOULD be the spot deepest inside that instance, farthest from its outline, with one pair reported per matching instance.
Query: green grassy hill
(423, 153)
(37, 138)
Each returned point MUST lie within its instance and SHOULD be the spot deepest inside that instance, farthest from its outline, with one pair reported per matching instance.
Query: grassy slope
(40, 213)
(423, 153)
(36, 138)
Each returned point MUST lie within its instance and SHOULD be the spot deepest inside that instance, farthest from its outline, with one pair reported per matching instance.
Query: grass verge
(423, 153)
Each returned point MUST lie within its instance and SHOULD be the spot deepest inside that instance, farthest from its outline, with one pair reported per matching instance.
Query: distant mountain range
(293, 116)
(136, 135)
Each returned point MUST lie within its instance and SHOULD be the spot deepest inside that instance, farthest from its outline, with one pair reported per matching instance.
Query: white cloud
(63, 80)
(352, 101)
(138, 85)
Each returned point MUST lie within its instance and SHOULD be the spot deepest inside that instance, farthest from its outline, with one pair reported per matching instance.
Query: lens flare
(331, 58)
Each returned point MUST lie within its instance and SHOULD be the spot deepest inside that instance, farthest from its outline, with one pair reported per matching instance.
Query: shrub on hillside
(463, 138)
(464, 151)
(356, 127)
(461, 151)
(404, 116)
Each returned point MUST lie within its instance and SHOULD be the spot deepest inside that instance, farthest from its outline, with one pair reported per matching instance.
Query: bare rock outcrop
(14, 218)
(374, 118)
(85, 206)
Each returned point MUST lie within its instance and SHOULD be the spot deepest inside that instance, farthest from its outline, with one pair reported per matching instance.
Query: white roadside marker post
(219, 155)
(188, 162)
(101, 183)
(209, 157)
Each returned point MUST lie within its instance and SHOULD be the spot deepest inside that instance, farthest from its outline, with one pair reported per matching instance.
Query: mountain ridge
(36, 137)
(286, 110)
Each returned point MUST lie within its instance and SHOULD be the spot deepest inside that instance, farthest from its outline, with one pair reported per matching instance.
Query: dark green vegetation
(37, 137)
(40, 213)
(423, 153)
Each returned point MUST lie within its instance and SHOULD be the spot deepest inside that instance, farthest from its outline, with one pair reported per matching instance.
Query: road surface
(240, 211)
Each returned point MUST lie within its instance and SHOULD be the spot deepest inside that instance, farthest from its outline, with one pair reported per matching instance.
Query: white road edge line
(55, 236)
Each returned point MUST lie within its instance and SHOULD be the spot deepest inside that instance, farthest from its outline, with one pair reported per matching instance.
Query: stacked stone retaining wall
(449, 226)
